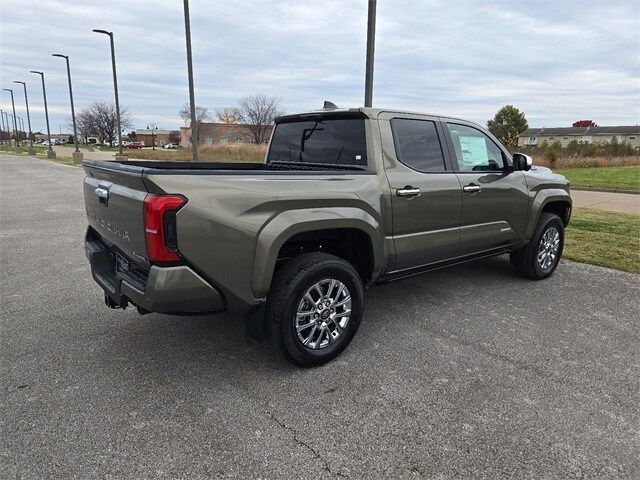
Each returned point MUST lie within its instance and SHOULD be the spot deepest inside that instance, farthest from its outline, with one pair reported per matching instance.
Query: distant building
(219, 133)
(564, 135)
(149, 137)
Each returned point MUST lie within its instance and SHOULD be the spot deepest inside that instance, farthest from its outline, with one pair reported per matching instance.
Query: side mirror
(522, 161)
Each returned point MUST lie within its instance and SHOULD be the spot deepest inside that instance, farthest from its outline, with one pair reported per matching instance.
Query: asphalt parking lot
(467, 372)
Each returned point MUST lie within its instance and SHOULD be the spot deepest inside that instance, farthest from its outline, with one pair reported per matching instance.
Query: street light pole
(15, 132)
(50, 152)
(192, 101)
(21, 123)
(120, 155)
(15, 125)
(77, 155)
(32, 151)
(3, 127)
(371, 43)
(152, 127)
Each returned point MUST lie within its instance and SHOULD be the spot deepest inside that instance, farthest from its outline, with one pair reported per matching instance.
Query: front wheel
(314, 308)
(540, 257)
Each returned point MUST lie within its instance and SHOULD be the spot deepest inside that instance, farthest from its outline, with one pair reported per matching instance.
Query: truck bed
(190, 168)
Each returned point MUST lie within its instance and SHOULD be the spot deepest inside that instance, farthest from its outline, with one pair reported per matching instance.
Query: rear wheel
(314, 308)
(540, 257)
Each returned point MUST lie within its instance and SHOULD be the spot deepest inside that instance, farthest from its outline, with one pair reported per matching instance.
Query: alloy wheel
(548, 248)
(323, 314)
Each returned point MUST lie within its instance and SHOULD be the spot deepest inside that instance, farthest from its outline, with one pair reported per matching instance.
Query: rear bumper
(175, 289)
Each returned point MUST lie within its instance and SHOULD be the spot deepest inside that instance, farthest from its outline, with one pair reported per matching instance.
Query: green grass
(614, 178)
(608, 239)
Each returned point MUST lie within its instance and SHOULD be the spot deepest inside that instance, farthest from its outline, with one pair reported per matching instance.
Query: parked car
(170, 146)
(126, 143)
(135, 145)
(346, 199)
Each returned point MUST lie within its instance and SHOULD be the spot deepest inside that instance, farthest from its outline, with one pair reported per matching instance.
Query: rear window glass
(327, 140)
(417, 144)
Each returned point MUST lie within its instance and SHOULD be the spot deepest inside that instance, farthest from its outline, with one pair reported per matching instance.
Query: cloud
(554, 61)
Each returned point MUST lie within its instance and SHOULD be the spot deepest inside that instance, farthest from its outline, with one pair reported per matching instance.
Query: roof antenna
(329, 105)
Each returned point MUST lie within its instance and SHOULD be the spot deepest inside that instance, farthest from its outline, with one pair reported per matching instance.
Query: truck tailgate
(114, 201)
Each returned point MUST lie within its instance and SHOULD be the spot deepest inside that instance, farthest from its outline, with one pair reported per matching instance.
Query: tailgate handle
(102, 194)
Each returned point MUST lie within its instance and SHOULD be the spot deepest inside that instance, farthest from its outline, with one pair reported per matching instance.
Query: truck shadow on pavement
(172, 345)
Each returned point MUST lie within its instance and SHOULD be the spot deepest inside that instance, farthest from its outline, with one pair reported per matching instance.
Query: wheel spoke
(304, 326)
(343, 301)
(308, 339)
(332, 285)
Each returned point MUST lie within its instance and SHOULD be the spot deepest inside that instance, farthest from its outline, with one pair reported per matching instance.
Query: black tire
(290, 284)
(525, 260)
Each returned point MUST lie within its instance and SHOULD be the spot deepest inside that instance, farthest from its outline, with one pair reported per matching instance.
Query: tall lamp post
(120, 155)
(371, 43)
(192, 98)
(152, 127)
(50, 152)
(15, 132)
(3, 127)
(32, 151)
(15, 125)
(77, 155)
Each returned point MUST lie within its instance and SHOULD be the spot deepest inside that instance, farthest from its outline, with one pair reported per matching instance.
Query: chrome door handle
(471, 188)
(408, 191)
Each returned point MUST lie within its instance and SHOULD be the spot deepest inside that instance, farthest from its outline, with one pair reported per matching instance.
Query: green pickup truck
(344, 200)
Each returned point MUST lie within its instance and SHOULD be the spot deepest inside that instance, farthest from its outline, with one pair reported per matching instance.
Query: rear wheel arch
(307, 228)
(350, 244)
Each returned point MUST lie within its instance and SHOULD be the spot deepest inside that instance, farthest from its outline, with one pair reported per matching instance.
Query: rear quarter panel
(220, 229)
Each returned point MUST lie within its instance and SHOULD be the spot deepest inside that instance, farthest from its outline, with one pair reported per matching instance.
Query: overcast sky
(558, 61)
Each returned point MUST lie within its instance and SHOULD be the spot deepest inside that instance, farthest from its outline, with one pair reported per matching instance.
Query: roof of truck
(370, 112)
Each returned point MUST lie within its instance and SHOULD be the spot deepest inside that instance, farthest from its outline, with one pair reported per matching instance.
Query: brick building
(146, 136)
(220, 133)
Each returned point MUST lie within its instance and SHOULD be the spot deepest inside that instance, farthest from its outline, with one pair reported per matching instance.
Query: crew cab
(344, 200)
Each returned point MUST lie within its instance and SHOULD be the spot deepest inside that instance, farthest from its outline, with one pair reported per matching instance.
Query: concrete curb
(606, 190)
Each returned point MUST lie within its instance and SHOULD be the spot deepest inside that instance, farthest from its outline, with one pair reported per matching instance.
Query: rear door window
(417, 144)
(325, 140)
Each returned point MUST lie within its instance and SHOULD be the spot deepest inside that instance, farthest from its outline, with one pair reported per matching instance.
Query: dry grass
(216, 153)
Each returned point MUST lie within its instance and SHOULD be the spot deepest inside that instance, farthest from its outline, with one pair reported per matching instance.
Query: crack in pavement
(304, 444)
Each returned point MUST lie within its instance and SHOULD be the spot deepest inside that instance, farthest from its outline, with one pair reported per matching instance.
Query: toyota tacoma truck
(344, 200)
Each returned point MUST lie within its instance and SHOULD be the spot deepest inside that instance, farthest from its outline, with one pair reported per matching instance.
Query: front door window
(475, 152)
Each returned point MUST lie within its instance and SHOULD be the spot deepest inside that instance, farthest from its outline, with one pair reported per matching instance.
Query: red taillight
(159, 230)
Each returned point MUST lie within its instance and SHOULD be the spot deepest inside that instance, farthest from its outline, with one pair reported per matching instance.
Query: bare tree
(228, 115)
(259, 112)
(202, 114)
(83, 124)
(174, 137)
(100, 119)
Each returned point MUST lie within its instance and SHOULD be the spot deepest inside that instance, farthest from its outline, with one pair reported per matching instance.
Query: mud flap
(254, 321)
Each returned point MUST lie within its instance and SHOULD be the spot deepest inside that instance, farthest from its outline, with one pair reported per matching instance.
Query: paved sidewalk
(614, 202)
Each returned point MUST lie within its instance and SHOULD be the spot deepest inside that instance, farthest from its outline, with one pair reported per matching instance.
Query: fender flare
(542, 198)
(291, 222)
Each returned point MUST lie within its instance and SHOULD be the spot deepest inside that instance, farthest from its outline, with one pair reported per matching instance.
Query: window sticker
(474, 150)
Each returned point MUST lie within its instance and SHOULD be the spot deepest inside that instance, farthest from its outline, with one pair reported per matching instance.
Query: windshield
(325, 140)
